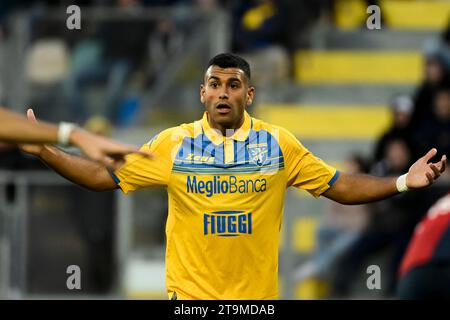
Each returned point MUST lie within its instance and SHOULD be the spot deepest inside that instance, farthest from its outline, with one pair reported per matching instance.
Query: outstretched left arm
(357, 189)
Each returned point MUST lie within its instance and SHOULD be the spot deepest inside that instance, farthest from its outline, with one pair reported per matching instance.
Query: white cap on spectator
(403, 103)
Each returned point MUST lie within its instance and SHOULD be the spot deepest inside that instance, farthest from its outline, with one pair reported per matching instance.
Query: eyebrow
(230, 79)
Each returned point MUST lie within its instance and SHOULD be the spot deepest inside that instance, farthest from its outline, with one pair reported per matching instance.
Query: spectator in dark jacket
(402, 108)
(435, 129)
(435, 75)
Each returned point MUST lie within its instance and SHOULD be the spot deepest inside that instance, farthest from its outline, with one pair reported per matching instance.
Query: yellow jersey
(226, 199)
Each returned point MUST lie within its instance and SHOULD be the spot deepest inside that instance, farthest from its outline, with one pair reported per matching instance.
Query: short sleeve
(304, 170)
(141, 172)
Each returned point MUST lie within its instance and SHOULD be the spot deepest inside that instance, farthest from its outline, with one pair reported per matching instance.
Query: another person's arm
(17, 129)
(357, 189)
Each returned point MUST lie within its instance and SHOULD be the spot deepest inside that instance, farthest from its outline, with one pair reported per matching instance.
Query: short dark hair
(230, 60)
(443, 87)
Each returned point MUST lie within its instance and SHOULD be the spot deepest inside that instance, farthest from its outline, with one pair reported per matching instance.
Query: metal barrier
(20, 199)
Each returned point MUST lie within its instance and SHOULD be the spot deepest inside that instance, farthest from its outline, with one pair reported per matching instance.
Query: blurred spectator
(425, 269)
(434, 131)
(402, 108)
(258, 24)
(396, 158)
(259, 35)
(300, 17)
(118, 50)
(440, 47)
(389, 228)
(165, 42)
(340, 227)
(435, 75)
(268, 32)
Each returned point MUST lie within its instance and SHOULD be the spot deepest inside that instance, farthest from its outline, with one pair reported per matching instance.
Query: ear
(250, 95)
(202, 93)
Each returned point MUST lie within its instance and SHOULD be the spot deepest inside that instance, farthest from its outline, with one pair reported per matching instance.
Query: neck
(226, 130)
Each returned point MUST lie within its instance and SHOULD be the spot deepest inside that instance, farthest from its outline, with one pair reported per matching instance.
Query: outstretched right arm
(86, 173)
(138, 170)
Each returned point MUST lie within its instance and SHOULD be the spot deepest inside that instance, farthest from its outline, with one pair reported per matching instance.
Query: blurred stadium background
(134, 68)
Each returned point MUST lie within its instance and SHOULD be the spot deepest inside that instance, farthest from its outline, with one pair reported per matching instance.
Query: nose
(223, 95)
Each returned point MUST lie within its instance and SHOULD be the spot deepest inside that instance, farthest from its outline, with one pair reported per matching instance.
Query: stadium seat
(352, 66)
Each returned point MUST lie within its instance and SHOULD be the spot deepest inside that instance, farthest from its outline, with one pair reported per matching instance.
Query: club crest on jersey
(227, 223)
(258, 153)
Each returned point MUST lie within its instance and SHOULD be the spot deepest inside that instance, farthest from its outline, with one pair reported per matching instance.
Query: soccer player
(14, 128)
(425, 269)
(226, 176)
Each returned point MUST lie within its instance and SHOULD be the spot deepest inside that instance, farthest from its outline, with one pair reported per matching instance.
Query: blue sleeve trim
(335, 177)
(111, 173)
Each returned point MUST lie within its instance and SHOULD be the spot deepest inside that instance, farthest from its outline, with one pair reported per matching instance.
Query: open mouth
(223, 108)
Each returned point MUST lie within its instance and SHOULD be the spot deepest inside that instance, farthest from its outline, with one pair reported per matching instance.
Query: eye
(214, 85)
(234, 85)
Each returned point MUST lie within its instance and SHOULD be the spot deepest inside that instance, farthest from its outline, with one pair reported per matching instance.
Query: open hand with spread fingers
(423, 172)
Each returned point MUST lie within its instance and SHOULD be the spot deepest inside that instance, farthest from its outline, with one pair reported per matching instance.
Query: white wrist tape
(401, 183)
(64, 131)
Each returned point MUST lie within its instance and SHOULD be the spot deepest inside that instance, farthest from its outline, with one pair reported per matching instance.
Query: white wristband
(401, 183)
(64, 131)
